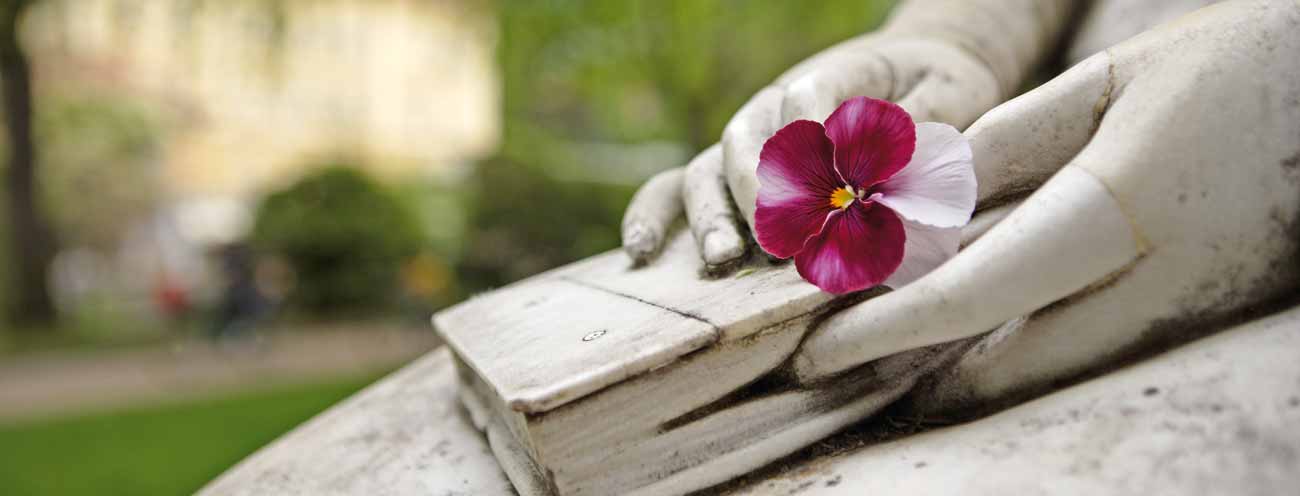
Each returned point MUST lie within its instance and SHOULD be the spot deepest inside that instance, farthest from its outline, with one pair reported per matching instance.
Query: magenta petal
(874, 139)
(857, 248)
(795, 181)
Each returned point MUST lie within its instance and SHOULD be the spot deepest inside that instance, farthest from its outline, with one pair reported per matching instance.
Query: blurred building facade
(248, 94)
(256, 85)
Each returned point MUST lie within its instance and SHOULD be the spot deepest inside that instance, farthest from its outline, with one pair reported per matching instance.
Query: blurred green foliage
(585, 75)
(162, 450)
(344, 235)
(525, 221)
(637, 70)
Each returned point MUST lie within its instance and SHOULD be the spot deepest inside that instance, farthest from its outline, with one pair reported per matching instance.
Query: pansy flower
(870, 198)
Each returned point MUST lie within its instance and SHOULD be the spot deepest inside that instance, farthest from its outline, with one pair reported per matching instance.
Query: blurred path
(57, 383)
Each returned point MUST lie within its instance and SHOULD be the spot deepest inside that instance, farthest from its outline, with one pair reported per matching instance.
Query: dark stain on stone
(834, 481)
(1292, 163)
(1107, 95)
(920, 465)
(1294, 401)
(1247, 434)
(887, 425)
(1151, 391)
(802, 487)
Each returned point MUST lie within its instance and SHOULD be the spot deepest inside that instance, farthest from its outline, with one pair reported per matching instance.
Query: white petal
(938, 186)
(926, 247)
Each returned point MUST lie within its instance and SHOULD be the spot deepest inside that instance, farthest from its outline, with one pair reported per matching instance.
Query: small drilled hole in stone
(594, 335)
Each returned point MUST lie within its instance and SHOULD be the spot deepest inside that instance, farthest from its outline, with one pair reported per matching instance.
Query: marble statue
(1150, 189)
(1147, 196)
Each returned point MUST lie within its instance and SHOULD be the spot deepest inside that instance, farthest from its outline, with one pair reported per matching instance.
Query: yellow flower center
(843, 197)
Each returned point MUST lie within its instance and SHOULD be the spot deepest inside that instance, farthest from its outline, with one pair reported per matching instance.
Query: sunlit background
(222, 216)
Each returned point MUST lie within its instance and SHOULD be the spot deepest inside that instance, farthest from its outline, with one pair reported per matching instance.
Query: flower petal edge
(874, 139)
(796, 176)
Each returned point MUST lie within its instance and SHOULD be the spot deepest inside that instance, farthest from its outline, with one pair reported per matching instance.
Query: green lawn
(165, 450)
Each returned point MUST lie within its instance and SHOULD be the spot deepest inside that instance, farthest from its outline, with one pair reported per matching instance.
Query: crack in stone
(1103, 102)
(717, 332)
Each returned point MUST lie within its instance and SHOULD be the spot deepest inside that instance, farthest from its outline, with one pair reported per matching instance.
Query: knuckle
(761, 111)
(801, 97)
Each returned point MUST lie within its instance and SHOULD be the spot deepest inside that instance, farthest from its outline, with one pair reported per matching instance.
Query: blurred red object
(172, 299)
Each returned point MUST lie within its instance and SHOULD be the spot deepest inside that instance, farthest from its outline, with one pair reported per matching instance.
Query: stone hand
(941, 60)
(1165, 179)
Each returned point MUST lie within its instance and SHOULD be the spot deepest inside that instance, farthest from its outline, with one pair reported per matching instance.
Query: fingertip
(653, 208)
(722, 247)
(639, 241)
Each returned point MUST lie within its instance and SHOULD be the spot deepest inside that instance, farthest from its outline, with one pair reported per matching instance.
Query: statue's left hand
(1165, 192)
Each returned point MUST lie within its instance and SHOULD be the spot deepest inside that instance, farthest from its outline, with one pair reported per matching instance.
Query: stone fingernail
(721, 247)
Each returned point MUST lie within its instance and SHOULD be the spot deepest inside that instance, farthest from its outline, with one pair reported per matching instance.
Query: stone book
(602, 378)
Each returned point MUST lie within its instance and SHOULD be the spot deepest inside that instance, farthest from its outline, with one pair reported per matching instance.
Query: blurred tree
(345, 236)
(100, 151)
(33, 244)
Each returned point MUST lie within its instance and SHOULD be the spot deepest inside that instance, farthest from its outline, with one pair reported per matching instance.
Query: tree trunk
(32, 240)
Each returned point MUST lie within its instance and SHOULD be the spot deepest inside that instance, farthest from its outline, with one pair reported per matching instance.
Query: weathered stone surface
(406, 434)
(1216, 416)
